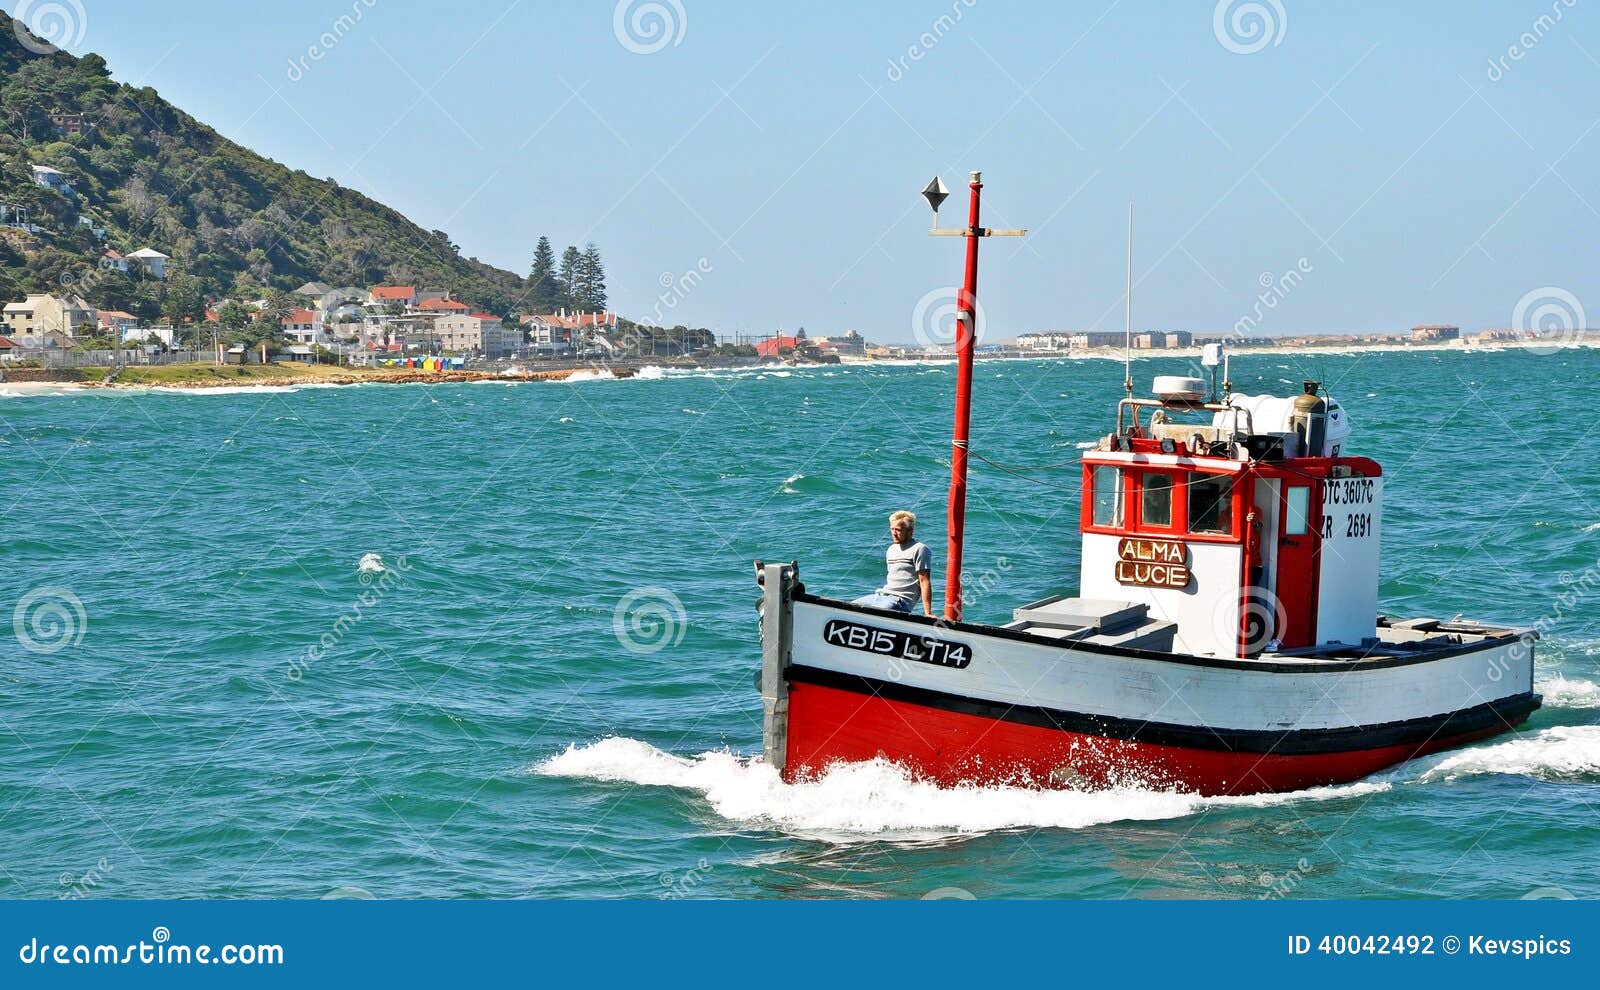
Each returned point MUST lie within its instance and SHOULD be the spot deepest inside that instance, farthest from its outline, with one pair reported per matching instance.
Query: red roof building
(775, 346)
(443, 306)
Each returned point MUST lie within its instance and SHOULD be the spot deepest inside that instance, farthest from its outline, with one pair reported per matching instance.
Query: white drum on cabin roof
(1180, 388)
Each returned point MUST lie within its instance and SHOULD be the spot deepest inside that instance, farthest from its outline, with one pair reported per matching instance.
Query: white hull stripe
(1496, 715)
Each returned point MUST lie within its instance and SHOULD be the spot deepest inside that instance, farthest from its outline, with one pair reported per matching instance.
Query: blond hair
(906, 517)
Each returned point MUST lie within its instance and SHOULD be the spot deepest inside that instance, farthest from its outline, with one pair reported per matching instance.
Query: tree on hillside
(591, 291)
(233, 316)
(184, 302)
(544, 294)
(571, 261)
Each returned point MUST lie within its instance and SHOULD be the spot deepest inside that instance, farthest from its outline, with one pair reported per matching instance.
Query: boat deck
(1130, 626)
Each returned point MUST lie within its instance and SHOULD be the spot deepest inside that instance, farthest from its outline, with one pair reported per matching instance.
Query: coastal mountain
(136, 172)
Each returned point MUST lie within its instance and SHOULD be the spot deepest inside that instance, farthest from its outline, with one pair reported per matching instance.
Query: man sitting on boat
(910, 570)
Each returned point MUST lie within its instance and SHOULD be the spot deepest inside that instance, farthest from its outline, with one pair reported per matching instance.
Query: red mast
(966, 335)
(966, 338)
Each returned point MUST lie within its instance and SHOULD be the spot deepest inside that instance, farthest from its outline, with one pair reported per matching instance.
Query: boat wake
(860, 801)
(1559, 754)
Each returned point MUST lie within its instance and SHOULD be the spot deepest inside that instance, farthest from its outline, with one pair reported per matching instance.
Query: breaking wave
(1562, 692)
(856, 801)
(1561, 753)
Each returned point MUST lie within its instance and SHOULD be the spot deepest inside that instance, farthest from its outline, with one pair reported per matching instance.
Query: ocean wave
(1562, 692)
(857, 801)
(370, 563)
(1560, 753)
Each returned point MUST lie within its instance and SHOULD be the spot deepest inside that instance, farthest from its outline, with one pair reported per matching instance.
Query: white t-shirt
(906, 561)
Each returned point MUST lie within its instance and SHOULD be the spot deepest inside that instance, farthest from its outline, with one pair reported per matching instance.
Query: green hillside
(234, 223)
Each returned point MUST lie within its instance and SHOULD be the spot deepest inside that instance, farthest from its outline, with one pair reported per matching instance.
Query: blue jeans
(893, 603)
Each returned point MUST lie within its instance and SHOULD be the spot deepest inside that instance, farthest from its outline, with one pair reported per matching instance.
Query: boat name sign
(896, 644)
(1152, 563)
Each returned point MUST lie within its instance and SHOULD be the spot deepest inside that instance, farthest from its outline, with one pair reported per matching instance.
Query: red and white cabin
(1225, 637)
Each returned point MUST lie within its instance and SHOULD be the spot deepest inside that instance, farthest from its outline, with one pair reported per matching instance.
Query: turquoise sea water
(497, 640)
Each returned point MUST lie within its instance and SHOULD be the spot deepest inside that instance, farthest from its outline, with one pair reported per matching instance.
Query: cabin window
(1297, 506)
(1155, 504)
(1210, 504)
(1107, 496)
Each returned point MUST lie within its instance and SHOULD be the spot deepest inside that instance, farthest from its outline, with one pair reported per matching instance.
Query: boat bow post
(776, 608)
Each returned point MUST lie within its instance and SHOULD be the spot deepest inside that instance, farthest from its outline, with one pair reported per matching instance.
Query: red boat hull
(827, 725)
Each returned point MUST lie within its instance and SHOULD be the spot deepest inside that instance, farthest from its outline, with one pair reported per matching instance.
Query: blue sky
(785, 145)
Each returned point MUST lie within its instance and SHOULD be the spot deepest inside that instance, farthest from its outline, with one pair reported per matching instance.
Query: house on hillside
(116, 322)
(9, 349)
(385, 295)
(153, 261)
(43, 320)
(51, 178)
(304, 326)
(443, 306)
(113, 261)
(314, 290)
(69, 124)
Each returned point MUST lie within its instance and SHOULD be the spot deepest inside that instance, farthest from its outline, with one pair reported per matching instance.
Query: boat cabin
(1251, 533)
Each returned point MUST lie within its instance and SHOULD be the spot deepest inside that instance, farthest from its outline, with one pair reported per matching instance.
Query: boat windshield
(1210, 504)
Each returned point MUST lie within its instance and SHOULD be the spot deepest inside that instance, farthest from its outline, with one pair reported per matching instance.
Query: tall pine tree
(544, 294)
(591, 280)
(571, 262)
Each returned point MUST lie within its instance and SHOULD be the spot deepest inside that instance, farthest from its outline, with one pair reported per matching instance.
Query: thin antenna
(1127, 314)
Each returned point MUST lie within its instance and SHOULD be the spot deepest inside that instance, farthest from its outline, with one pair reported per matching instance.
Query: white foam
(858, 801)
(1561, 692)
(1592, 527)
(604, 375)
(651, 372)
(370, 563)
(788, 484)
(1557, 753)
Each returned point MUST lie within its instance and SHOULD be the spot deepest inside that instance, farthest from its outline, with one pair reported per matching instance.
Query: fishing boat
(1225, 636)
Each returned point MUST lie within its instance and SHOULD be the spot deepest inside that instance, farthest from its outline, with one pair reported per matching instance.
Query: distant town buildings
(1435, 333)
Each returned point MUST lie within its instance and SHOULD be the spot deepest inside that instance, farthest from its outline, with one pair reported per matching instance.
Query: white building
(153, 261)
(52, 178)
(304, 326)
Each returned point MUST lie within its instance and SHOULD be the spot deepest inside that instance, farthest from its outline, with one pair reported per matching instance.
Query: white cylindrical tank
(1273, 414)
